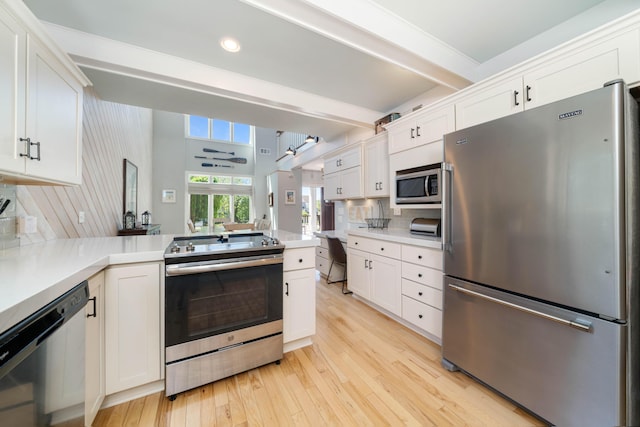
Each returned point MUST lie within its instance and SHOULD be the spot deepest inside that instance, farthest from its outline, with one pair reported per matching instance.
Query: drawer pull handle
(419, 274)
(381, 249)
(420, 316)
(419, 256)
(419, 293)
(287, 292)
(300, 260)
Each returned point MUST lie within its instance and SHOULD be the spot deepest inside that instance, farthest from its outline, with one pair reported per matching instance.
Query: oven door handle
(206, 267)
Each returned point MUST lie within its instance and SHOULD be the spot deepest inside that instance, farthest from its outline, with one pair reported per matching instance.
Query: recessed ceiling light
(230, 44)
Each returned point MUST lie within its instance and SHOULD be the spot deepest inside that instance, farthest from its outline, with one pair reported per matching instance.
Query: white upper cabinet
(571, 71)
(343, 174)
(13, 63)
(344, 160)
(585, 70)
(40, 104)
(424, 127)
(376, 166)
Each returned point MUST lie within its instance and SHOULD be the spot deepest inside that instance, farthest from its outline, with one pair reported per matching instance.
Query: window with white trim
(218, 199)
(219, 130)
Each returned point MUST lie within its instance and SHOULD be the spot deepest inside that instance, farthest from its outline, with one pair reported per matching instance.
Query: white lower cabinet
(323, 262)
(94, 349)
(299, 304)
(404, 280)
(375, 277)
(422, 288)
(299, 297)
(133, 325)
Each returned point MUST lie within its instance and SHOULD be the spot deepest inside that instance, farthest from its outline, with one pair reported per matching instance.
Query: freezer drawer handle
(585, 327)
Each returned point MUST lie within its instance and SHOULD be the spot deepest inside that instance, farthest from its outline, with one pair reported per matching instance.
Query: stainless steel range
(223, 307)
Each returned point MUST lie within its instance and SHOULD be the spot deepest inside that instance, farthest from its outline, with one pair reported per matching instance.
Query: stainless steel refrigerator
(540, 236)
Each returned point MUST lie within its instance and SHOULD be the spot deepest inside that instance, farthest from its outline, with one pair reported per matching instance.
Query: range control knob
(190, 247)
(175, 248)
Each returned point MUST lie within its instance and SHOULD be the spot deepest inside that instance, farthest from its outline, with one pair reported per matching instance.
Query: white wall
(173, 156)
(169, 151)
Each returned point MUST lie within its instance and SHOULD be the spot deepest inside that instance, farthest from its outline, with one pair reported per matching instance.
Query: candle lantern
(129, 220)
(146, 218)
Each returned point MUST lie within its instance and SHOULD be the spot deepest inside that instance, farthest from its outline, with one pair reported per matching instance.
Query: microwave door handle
(427, 185)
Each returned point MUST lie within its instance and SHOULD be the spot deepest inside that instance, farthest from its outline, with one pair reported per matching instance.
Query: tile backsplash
(8, 230)
(351, 214)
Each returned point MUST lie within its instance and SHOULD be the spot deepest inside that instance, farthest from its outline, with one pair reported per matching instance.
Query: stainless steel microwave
(419, 185)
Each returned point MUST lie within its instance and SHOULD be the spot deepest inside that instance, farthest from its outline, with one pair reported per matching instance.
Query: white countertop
(398, 236)
(32, 276)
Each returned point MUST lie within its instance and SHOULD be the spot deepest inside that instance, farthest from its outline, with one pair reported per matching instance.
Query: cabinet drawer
(422, 293)
(375, 246)
(427, 257)
(324, 243)
(423, 316)
(322, 252)
(296, 259)
(322, 265)
(424, 275)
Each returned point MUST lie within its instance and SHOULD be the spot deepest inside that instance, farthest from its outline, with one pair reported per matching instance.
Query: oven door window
(206, 304)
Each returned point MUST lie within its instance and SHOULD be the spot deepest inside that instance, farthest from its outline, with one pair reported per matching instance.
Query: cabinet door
(497, 101)
(386, 283)
(344, 160)
(402, 135)
(358, 272)
(376, 166)
(299, 304)
(332, 186)
(12, 93)
(94, 364)
(132, 328)
(54, 118)
(585, 70)
(351, 183)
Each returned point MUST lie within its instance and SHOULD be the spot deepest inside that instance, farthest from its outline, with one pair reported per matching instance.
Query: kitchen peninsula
(127, 276)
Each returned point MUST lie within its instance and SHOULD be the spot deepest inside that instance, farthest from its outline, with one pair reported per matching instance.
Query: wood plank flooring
(363, 369)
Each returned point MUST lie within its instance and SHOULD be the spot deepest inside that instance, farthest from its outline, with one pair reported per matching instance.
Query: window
(219, 130)
(217, 199)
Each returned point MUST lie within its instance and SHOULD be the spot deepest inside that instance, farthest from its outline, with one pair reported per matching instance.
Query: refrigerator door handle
(447, 169)
(577, 324)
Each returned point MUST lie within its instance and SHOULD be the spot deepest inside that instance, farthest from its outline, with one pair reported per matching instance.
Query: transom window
(218, 199)
(219, 130)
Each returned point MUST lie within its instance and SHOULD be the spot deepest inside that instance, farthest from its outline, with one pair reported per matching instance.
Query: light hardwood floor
(363, 369)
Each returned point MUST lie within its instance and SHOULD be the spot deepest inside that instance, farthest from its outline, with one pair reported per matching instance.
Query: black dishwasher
(42, 364)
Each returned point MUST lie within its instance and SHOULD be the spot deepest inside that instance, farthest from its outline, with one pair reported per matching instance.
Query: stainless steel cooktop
(224, 245)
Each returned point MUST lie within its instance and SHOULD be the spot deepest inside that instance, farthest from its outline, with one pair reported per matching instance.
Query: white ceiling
(320, 67)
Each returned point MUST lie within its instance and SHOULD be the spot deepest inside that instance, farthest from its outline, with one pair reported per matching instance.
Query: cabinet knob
(420, 294)
(381, 249)
(419, 256)
(419, 274)
(420, 316)
(300, 260)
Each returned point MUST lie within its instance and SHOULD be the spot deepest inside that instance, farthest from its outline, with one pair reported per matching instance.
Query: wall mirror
(130, 193)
